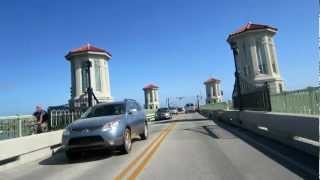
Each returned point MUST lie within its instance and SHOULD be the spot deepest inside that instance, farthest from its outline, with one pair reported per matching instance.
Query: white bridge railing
(16, 126)
(150, 115)
(59, 119)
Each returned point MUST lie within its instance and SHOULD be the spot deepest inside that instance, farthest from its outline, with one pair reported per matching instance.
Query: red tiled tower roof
(150, 86)
(210, 80)
(250, 26)
(87, 48)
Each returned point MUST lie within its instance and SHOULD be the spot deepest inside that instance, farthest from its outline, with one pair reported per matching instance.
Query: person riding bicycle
(42, 119)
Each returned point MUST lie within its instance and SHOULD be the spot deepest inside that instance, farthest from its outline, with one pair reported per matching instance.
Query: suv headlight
(111, 125)
(66, 132)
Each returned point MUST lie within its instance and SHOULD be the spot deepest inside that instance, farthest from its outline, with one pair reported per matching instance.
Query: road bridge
(188, 146)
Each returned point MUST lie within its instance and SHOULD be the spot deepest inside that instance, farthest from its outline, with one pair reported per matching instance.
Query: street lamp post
(235, 51)
(180, 98)
(89, 89)
(198, 101)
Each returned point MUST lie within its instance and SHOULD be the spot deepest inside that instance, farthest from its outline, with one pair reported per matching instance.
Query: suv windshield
(163, 110)
(105, 110)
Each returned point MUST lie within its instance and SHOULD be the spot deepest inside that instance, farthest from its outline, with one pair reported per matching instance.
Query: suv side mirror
(132, 111)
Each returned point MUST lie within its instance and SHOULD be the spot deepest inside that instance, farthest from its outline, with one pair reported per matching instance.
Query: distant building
(256, 57)
(213, 91)
(151, 96)
(79, 76)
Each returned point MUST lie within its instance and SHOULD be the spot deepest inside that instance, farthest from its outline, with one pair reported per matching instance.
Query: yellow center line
(133, 162)
(142, 165)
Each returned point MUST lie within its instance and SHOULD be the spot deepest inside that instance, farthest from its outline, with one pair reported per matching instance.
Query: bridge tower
(151, 97)
(213, 91)
(255, 56)
(99, 74)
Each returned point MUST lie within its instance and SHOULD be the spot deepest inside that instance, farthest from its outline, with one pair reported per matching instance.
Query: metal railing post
(269, 107)
(72, 116)
(313, 102)
(19, 126)
(55, 119)
(51, 116)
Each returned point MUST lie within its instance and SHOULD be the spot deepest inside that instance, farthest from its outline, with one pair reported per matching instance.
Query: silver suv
(106, 126)
(189, 108)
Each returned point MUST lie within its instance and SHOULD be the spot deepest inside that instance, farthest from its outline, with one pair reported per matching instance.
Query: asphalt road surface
(186, 147)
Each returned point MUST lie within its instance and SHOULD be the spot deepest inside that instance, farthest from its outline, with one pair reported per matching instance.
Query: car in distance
(106, 126)
(181, 110)
(173, 110)
(189, 108)
(163, 113)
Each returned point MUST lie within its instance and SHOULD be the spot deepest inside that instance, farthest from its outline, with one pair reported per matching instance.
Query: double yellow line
(146, 154)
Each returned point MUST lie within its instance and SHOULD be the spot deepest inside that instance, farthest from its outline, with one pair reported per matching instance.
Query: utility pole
(180, 98)
(235, 51)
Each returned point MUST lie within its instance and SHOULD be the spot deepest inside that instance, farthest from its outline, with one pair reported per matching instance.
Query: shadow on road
(205, 130)
(177, 121)
(286, 156)
(59, 157)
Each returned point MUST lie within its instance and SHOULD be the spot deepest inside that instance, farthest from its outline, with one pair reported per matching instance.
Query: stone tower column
(99, 72)
(78, 80)
(213, 90)
(254, 58)
(268, 54)
(151, 96)
(105, 78)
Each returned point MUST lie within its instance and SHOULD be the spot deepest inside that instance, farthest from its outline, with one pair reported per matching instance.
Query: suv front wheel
(126, 147)
(145, 133)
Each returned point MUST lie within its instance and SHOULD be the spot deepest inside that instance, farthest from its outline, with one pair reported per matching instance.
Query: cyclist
(42, 119)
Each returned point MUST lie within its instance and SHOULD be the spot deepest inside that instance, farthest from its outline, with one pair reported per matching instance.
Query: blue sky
(176, 44)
